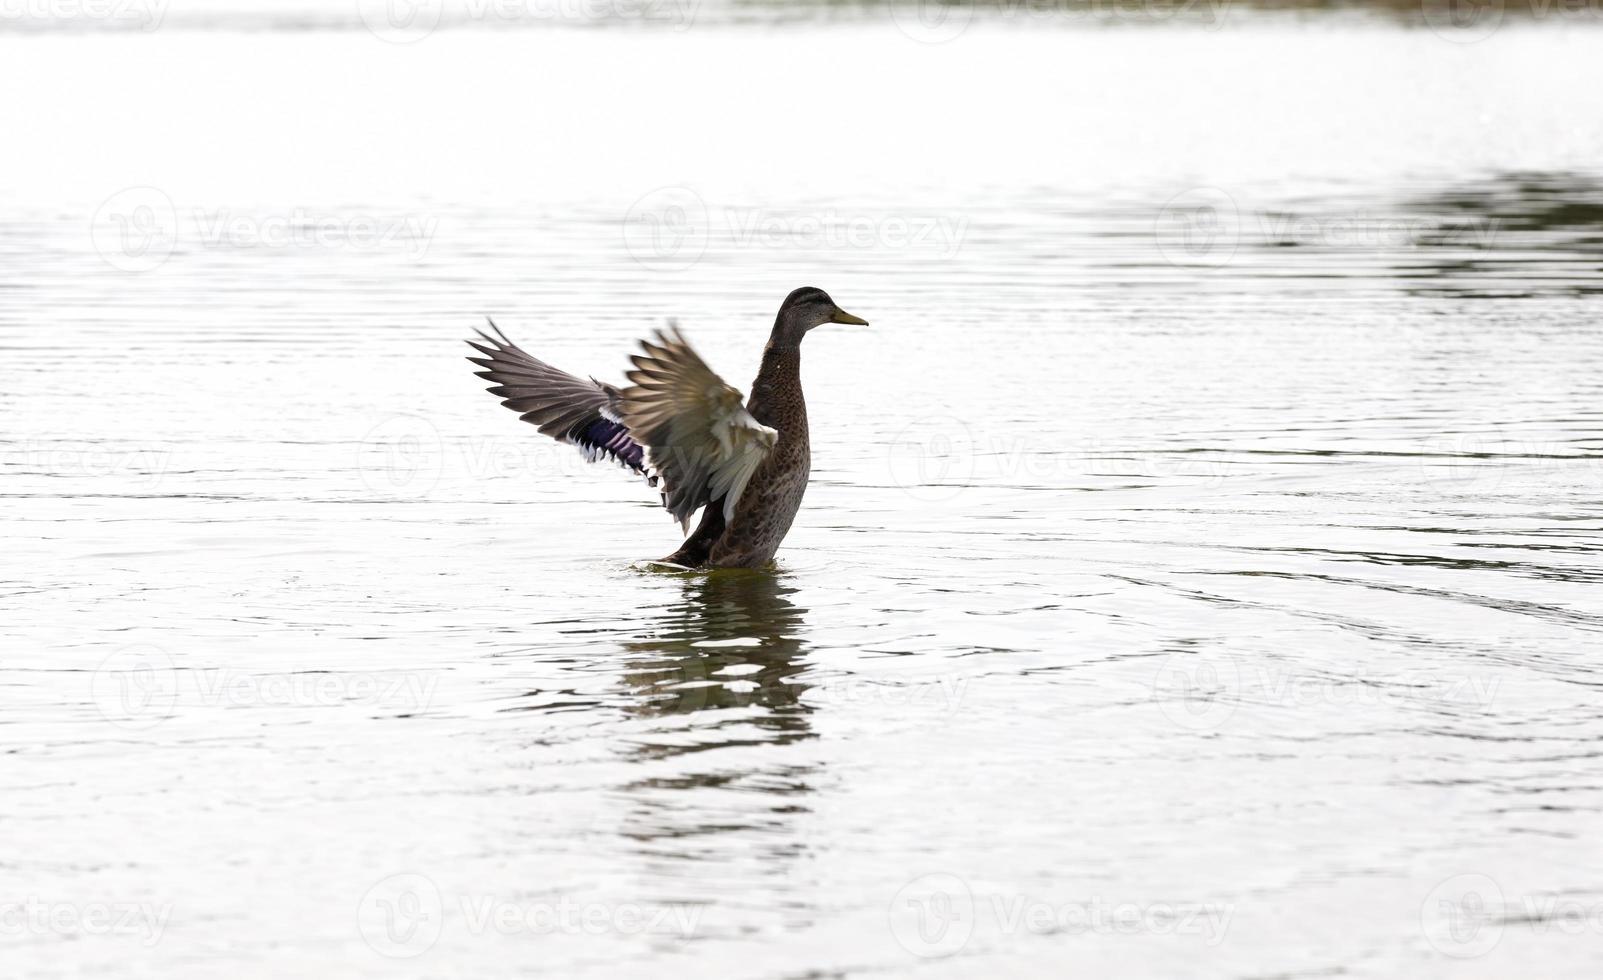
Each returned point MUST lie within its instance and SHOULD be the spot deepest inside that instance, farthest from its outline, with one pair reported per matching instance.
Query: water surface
(1198, 578)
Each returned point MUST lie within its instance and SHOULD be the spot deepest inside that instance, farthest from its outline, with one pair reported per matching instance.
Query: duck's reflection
(733, 641)
(715, 686)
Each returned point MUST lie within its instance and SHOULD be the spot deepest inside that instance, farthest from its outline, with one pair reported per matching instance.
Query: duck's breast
(768, 507)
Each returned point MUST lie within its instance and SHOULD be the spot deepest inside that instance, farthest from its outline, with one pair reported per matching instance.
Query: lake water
(1199, 575)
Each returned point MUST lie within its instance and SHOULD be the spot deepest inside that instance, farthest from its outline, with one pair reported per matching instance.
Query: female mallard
(680, 426)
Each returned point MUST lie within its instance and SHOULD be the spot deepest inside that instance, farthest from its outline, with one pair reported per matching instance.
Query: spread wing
(697, 434)
(574, 410)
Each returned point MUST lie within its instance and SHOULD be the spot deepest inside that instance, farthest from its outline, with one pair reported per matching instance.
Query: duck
(744, 464)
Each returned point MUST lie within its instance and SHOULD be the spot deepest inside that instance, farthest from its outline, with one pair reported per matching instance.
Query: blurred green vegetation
(1442, 13)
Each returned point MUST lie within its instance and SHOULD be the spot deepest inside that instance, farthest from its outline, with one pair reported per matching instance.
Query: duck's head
(806, 308)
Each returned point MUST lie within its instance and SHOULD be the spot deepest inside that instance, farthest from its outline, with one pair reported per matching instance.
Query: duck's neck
(776, 395)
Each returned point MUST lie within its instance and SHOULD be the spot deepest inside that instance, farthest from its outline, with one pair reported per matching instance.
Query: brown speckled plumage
(745, 466)
(767, 509)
